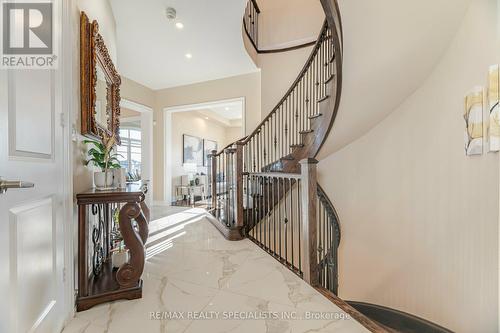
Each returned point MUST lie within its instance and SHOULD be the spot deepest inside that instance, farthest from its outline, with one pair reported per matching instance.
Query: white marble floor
(196, 281)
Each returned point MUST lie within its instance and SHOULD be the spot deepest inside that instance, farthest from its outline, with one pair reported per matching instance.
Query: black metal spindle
(292, 218)
(299, 216)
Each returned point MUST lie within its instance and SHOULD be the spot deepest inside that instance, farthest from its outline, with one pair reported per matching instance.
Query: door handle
(6, 184)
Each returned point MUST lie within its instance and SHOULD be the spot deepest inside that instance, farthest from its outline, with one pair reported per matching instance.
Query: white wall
(419, 219)
(100, 10)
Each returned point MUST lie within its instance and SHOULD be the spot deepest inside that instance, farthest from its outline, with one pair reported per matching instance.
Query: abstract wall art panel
(473, 117)
(494, 107)
(192, 150)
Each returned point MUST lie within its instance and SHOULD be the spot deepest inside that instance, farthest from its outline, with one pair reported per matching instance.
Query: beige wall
(137, 93)
(233, 134)
(127, 113)
(419, 219)
(194, 124)
(278, 72)
(247, 86)
(284, 23)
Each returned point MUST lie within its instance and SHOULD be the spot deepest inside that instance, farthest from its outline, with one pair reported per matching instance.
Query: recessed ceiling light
(189, 55)
(179, 25)
(206, 118)
(226, 108)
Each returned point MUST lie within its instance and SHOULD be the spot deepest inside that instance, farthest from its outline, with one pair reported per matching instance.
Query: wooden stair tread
(323, 98)
(330, 78)
(306, 131)
(315, 116)
(299, 145)
(332, 59)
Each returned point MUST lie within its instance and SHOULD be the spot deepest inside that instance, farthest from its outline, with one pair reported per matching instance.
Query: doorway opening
(191, 133)
(136, 149)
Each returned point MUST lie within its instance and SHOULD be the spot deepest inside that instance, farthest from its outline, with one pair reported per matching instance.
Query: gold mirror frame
(93, 51)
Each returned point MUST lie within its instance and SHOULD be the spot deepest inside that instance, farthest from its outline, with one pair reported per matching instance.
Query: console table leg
(145, 211)
(129, 274)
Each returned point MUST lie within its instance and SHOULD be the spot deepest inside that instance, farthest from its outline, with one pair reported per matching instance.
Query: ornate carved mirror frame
(93, 52)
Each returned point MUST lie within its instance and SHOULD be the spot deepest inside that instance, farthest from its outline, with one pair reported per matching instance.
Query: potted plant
(101, 155)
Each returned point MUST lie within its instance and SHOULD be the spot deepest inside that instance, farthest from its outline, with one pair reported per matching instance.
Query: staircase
(264, 186)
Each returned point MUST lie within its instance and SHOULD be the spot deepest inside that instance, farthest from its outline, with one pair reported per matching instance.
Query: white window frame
(129, 146)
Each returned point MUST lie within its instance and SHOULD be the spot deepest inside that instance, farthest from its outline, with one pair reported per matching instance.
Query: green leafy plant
(101, 154)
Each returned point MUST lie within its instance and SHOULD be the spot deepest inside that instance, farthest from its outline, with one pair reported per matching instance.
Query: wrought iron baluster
(97, 239)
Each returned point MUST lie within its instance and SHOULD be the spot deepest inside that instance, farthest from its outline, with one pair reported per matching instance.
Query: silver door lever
(6, 184)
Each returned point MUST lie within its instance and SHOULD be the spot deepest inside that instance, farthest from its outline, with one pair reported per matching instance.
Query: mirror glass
(101, 102)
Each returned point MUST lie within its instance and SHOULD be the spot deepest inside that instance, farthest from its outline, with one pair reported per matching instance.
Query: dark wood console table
(105, 217)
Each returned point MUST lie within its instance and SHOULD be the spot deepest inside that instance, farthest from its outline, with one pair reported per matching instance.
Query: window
(130, 150)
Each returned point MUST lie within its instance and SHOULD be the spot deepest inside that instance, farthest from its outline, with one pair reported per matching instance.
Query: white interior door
(31, 230)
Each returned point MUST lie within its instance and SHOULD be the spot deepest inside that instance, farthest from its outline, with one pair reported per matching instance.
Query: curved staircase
(256, 182)
(264, 186)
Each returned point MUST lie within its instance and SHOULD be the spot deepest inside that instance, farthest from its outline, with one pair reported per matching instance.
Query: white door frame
(147, 142)
(167, 135)
(70, 102)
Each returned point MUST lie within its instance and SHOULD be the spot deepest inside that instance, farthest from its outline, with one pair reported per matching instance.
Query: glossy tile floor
(196, 281)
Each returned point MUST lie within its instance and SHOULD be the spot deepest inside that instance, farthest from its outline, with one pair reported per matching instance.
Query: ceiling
(227, 114)
(390, 48)
(151, 50)
(229, 111)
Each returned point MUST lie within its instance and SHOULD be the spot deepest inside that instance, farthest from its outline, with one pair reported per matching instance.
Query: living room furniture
(105, 218)
(191, 192)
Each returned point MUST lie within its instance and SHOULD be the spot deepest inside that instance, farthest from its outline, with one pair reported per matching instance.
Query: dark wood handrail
(256, 6)
(310, 59)
(276, 50)
(228, 146)
(332, 12)
(326, 200)
(288, 48)
(249, 36)
(251, 22)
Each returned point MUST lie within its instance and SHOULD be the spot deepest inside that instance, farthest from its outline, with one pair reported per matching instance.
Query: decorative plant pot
(120, 178)
(100, 180)
(119, 257)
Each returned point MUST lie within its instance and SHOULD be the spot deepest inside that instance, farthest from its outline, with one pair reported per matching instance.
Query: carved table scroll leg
(145, 211)
(128, 274)
(142, 223)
